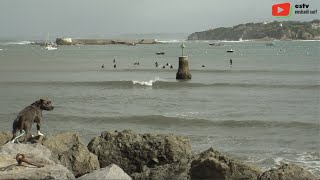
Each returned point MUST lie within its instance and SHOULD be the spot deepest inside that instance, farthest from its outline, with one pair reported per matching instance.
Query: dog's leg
(27, 128)
(28, 136)
(38, 130)
(14, 131)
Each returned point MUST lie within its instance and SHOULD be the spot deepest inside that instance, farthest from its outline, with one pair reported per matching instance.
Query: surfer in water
(102, 66)
(230, 62)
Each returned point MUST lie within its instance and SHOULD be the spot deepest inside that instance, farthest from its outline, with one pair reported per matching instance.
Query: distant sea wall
(70, 41)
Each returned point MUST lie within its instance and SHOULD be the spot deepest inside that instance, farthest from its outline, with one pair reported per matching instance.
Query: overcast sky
(104, 18)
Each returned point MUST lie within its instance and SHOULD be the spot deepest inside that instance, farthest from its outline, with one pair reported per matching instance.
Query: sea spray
(146, 83)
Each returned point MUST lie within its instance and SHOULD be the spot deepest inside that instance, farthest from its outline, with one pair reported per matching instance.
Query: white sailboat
(49, 46)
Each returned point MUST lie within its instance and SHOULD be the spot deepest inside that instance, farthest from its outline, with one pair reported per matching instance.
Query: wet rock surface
(142, 154)
(288, 172)
(212, 164)
(36, 154)
(128, 155)
(68, 150)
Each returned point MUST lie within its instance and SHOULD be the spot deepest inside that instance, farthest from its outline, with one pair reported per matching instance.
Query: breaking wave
(171, 41)
(146, 83)
(18, 43)
(161, 120)
(159, 84)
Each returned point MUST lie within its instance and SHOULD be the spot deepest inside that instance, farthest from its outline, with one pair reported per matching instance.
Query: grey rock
(68, 150)
(5, 137)
(212, 164)
(141, 153)
(111, 172)
(34, 153)
(288, 172)
(177, 171)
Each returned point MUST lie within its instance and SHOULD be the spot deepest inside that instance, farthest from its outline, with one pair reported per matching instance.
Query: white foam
(278, 161)
(307, 40)
(238, 41)
(188, 114)
(310, 160)
(171, 41)
(146, 83)
(20, 43)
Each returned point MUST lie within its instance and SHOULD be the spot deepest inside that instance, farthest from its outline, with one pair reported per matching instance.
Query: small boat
(230, 51)
(215, 44)
(270, 44)
(50, 47)
(160, 53)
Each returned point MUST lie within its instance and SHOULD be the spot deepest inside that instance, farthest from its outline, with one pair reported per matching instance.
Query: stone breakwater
(71, 41)
(128, 155)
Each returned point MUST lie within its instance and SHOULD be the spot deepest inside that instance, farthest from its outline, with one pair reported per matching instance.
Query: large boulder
(141, 153)
(212, 164)
(68, 150)
(178, 170)
(34, 153)
(5, 137)
(111, 172)
(288, 172)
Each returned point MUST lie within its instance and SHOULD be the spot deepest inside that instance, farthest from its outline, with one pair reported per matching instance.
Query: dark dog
(29, 115)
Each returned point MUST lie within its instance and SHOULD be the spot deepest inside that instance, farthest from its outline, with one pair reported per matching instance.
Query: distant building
(280, 24)
(68, 40)
(265, 22)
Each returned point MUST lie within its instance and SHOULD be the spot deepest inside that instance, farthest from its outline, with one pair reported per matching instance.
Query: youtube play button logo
(281, 9)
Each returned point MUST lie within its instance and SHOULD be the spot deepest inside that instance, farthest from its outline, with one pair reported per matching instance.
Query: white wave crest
(237, 41)
(146, 83)
(171, 41)
(19, 43)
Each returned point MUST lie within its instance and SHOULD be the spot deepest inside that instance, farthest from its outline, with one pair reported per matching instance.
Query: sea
(262, 110)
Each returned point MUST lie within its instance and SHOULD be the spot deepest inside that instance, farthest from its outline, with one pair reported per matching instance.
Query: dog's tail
(14, 125)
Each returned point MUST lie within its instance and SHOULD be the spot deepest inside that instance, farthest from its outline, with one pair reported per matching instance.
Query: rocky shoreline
(128, 155)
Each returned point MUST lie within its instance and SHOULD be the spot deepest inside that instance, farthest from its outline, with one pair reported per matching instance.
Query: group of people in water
(114, 64)
(163, 67)
(156, 64)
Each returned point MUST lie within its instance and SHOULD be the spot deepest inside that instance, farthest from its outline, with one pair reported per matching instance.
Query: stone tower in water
(183, 70)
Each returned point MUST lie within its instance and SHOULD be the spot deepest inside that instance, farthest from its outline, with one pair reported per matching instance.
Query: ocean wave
(146, 83)
(224, 71)
(18, 43)
(226, 41)
(160, 120)
(308, 160)
(310, 40)
(171, 41)
(159, 84)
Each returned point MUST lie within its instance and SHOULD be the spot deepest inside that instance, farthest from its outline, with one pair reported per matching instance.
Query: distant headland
(285, 30)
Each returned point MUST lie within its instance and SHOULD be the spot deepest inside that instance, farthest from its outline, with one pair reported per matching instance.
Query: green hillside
(273, 30)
